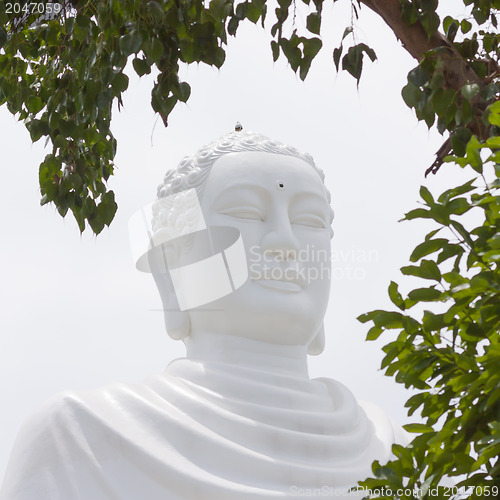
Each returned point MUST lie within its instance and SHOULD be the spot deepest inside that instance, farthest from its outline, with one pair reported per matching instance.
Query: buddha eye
(247, 213)
(309, 220)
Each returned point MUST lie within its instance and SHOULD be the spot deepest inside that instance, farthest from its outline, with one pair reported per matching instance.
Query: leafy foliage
(352, 61)
(459, 109)
(62, 69)
(61, 76)
(450, 354)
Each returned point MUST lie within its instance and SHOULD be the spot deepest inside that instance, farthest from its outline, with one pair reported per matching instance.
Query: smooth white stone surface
(200, 430)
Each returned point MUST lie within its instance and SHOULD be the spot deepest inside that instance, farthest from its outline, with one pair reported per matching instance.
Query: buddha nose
(280, 241)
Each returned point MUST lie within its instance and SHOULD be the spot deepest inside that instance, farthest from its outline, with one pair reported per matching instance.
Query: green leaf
(453, 192)
(427, 247)
(337, 53)
(241, 10)
(107, 207)
(458, 206)
(161, 105)
(253, 13)
(385, 319)
(444, 102)
(311, 47)
(185, 91)
(426, 195)
(3, 36)
(450, 27)
(79, 217)
(430, 21)
(495, 107)
(136, 41)
(120, 83)
(141, 66)
(314, 22)
(447, 22)
(35, 104)
(125, 43)
(352, 62)
(428, 269)
(156, 50)
(374, 333)
(473, 156)
(465, 26)
(411, 94)
(38, 128)
(424, 294)
(395, 296)
(275, 49)
(459, 139)
(418, 76)
(48, 177)
(233, 26)
(418, 213)
(364, 318)
(480, 15)
(494, 114)
(493, 142)
(368, 51)
(155, 10)
(418, 428)
(470, 90)
(96, 223)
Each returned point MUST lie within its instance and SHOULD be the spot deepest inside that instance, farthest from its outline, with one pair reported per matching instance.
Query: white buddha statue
(238, 418)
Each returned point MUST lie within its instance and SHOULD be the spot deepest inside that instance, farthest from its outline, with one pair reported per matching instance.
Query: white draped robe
(204, 431)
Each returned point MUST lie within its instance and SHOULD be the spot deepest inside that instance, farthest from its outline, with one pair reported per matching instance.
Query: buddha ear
(177, 322)
(317, 344)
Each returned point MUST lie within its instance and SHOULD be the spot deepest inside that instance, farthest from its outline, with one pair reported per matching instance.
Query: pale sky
(75, 314)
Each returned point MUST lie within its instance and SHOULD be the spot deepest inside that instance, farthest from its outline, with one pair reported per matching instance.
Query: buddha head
(272, 199)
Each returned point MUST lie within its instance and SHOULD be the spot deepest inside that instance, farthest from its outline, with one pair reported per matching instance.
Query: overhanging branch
(456, 70)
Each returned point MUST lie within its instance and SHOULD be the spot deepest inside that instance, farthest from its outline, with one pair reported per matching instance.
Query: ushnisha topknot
(193, 170)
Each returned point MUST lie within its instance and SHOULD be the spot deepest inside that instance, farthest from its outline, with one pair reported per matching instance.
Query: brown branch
(441, 153)
(417, 42)
(456, 71)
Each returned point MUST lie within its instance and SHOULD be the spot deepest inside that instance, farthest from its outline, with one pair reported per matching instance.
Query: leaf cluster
(450, 354)
(62, 74)
(457, 81)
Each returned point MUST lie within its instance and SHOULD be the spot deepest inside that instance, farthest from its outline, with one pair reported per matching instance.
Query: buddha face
(279, 205)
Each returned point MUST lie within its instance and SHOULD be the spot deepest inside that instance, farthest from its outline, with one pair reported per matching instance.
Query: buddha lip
(285, 285)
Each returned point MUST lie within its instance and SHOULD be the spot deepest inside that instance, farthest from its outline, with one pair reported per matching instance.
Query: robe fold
(204, 431)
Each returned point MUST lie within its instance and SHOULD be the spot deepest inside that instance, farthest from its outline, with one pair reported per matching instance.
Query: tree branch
(457, 72)
(417, 42)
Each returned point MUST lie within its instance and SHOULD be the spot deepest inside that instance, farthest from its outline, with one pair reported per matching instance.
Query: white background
(74, 313)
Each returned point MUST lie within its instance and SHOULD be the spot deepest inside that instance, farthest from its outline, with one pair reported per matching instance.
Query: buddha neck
(244, 352)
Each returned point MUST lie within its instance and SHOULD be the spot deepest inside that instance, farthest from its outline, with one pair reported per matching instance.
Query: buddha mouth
(288, 279)
(280, 284)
